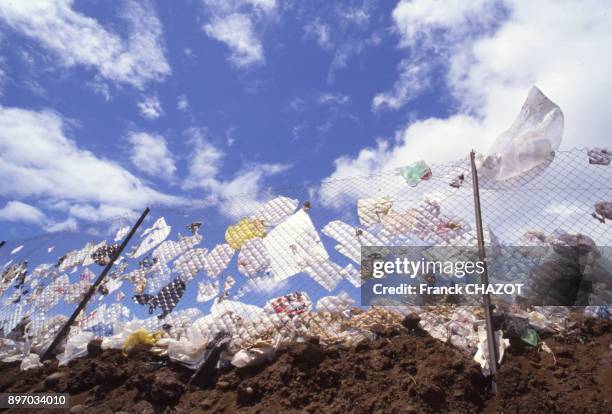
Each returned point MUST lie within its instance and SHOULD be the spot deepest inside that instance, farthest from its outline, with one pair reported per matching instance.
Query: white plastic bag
(253, 356)
(30, 361)
(76, 347)
(534, 135)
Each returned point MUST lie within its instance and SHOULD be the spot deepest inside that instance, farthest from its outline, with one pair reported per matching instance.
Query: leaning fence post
(486, 299)
(92, 289)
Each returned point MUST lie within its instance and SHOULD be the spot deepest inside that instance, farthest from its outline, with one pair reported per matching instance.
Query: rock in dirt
(307, 353)
(78, 409)
(166, 388)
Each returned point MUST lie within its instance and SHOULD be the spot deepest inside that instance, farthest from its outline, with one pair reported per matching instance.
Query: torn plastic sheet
(167, 298)
(337, 304)
(207, 290)
(371, 210)
(276, 211)
(396, 223)
(350, 273)
(52, 294)
(244, 230)
(77, 258)
(253, 258)
(534, 135)
(350, 238)
(151, 237)
(289, 242)
(170, 249)
(121, 233)
(217, 260)
(190, 263)
(325, 272)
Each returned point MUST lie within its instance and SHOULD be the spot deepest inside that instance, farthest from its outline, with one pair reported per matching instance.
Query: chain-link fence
(269, 268)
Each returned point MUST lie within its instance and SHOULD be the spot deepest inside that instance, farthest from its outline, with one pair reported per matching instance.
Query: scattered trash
(246, 229)
(457, 182)
(141, 336)
(415, 173)
(603, 211)
(75, 347)
(599, 156)
(371, 210)
(530, 337)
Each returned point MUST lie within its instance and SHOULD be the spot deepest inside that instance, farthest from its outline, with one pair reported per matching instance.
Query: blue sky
(111, 106)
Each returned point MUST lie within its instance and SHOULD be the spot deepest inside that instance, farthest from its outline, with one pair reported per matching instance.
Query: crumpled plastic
(599, 156)
(415, 173)
(603, 211)
(253, 356)
(141, 336)
(76, 347)
(244, 230)
(30, 361)
(372, 210)
(482, 354)
(534, 135)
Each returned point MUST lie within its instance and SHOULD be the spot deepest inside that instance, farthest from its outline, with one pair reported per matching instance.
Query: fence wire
(273, 267)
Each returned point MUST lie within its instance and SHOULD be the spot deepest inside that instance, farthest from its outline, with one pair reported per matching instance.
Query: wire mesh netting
(266, 269)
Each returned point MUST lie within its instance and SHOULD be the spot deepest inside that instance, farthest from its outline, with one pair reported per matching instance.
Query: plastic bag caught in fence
(534, 135)
(415, 173)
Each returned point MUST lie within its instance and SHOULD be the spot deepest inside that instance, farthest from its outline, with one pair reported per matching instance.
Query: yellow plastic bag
(246, 229)
(141, 336)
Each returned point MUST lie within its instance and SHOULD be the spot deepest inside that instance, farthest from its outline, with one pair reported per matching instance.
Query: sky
(110, 106)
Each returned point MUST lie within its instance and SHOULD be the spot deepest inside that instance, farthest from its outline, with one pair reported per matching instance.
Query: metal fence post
(92, 289)
(486, 299)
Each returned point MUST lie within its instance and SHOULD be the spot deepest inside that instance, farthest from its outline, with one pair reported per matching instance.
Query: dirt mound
(407, 372)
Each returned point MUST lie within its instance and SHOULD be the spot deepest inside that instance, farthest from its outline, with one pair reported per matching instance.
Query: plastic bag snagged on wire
(244, 230)
(415, 173)
(534, 135)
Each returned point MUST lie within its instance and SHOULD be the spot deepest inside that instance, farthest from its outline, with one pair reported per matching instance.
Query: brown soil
(401, 372)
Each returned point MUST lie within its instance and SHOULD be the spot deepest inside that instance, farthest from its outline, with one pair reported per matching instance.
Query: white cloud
(77, 39)
(560, 47)
(204, 163)
(150, 107)
(238, 24)
(150, 154)
(18, 211)
(37, 159)
(182, 103)
(235, 197)
(334, 99)
(321, 32)
(414, 78)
